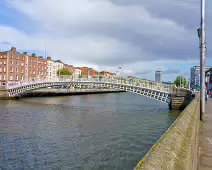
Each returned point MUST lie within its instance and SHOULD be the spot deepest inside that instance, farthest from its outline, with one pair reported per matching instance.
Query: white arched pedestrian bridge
(157, 91)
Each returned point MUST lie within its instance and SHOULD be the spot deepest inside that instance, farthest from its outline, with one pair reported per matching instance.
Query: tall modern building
(158, 77)
(195, 75)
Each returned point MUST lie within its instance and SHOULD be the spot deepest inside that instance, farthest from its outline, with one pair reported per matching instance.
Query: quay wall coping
(178, 147)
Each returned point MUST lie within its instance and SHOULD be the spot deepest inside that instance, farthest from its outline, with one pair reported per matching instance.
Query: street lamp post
(202, 36)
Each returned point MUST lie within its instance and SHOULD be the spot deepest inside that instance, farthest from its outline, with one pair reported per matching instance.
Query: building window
(34, 66)
(11, 77)
(34, 72)
(30, 65)
(16, 63)
(0, 69)
(16, 77)
(4, 69)
(11, 69)
(22, 71)
(17, 58)
(11, 62)
(30, 71)
(0, 77)
(0, 62)
(22, 77)
(22, 64)
(16, 70)
(4, 62)
(4, 77)
(34, 61)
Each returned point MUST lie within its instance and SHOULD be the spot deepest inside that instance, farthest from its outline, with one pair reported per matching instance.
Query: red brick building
(12, 66)
(92, 72)
(17, 67)
(70, 68)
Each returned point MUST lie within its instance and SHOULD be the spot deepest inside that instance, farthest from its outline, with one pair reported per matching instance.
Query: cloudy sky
(139, 35)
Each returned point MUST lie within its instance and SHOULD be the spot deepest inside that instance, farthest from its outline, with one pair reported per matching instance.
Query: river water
(94, 132)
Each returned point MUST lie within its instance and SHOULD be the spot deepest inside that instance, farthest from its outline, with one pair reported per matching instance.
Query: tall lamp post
(202, 35)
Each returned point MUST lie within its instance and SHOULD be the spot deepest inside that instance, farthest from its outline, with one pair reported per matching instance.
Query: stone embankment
(177, 149)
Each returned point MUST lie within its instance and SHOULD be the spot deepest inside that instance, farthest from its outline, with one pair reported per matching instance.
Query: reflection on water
(104, 131)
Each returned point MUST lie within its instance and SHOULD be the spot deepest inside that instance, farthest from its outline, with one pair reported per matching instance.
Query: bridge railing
(124, 81)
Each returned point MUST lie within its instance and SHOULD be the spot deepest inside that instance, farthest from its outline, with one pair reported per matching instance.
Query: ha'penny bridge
(176, 149)
(158, 91)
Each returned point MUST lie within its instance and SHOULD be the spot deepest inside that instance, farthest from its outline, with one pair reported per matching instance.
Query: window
(16, 77)
(22, 64)
(22, 77)
(11, 62)
(11, 69)
(30, 71)
(0, 62)
(30, 65)
(0, 69)
(4, 69)
(34, 72)
(0, 77)
(17, 63)
(11, 77)
(34, 61)
(17, 58)
(34, 66)
(16, 70)
(22, 71)
(4, 77)
(4, 62)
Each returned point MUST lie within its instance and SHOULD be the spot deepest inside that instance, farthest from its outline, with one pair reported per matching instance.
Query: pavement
(205, 139)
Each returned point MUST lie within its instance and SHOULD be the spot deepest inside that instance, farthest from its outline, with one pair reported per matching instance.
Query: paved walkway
(205, 140)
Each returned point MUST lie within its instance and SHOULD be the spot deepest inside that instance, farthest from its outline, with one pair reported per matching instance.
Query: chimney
(13, 49)
(33, 55)
(25, 53)
(49, 58)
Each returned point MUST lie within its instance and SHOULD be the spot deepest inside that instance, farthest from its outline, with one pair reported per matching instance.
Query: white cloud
(103, 34)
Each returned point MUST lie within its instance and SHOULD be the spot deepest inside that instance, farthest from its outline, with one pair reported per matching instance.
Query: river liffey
(92, 132)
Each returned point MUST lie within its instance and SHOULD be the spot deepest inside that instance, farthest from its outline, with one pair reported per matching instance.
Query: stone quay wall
(177, 149)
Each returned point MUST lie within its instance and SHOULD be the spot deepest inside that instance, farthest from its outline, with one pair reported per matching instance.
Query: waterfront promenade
(205, 140)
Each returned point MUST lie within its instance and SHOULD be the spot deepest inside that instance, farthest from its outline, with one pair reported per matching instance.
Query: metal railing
(115, 81)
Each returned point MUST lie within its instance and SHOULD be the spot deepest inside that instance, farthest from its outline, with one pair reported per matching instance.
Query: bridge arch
(155, 92)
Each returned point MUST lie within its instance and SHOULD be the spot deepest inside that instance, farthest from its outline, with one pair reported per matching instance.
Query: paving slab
(205, 140)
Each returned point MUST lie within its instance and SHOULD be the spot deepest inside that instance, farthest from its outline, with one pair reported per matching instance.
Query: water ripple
(106, 131)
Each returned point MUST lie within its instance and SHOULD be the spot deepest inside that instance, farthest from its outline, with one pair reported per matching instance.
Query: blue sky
(141, 36)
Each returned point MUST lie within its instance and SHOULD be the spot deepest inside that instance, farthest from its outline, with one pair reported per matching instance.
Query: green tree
(180, 81)
(64, 72)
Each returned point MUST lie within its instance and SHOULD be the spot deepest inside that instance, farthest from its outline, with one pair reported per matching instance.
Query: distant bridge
(157, 91)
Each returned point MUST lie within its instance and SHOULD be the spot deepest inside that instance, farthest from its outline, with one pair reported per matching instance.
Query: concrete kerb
(178, 147)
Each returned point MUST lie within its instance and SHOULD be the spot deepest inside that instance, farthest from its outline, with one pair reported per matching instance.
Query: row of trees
(66, 72)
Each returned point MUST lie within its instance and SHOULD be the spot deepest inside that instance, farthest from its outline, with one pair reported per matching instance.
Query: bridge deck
(205, 139)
